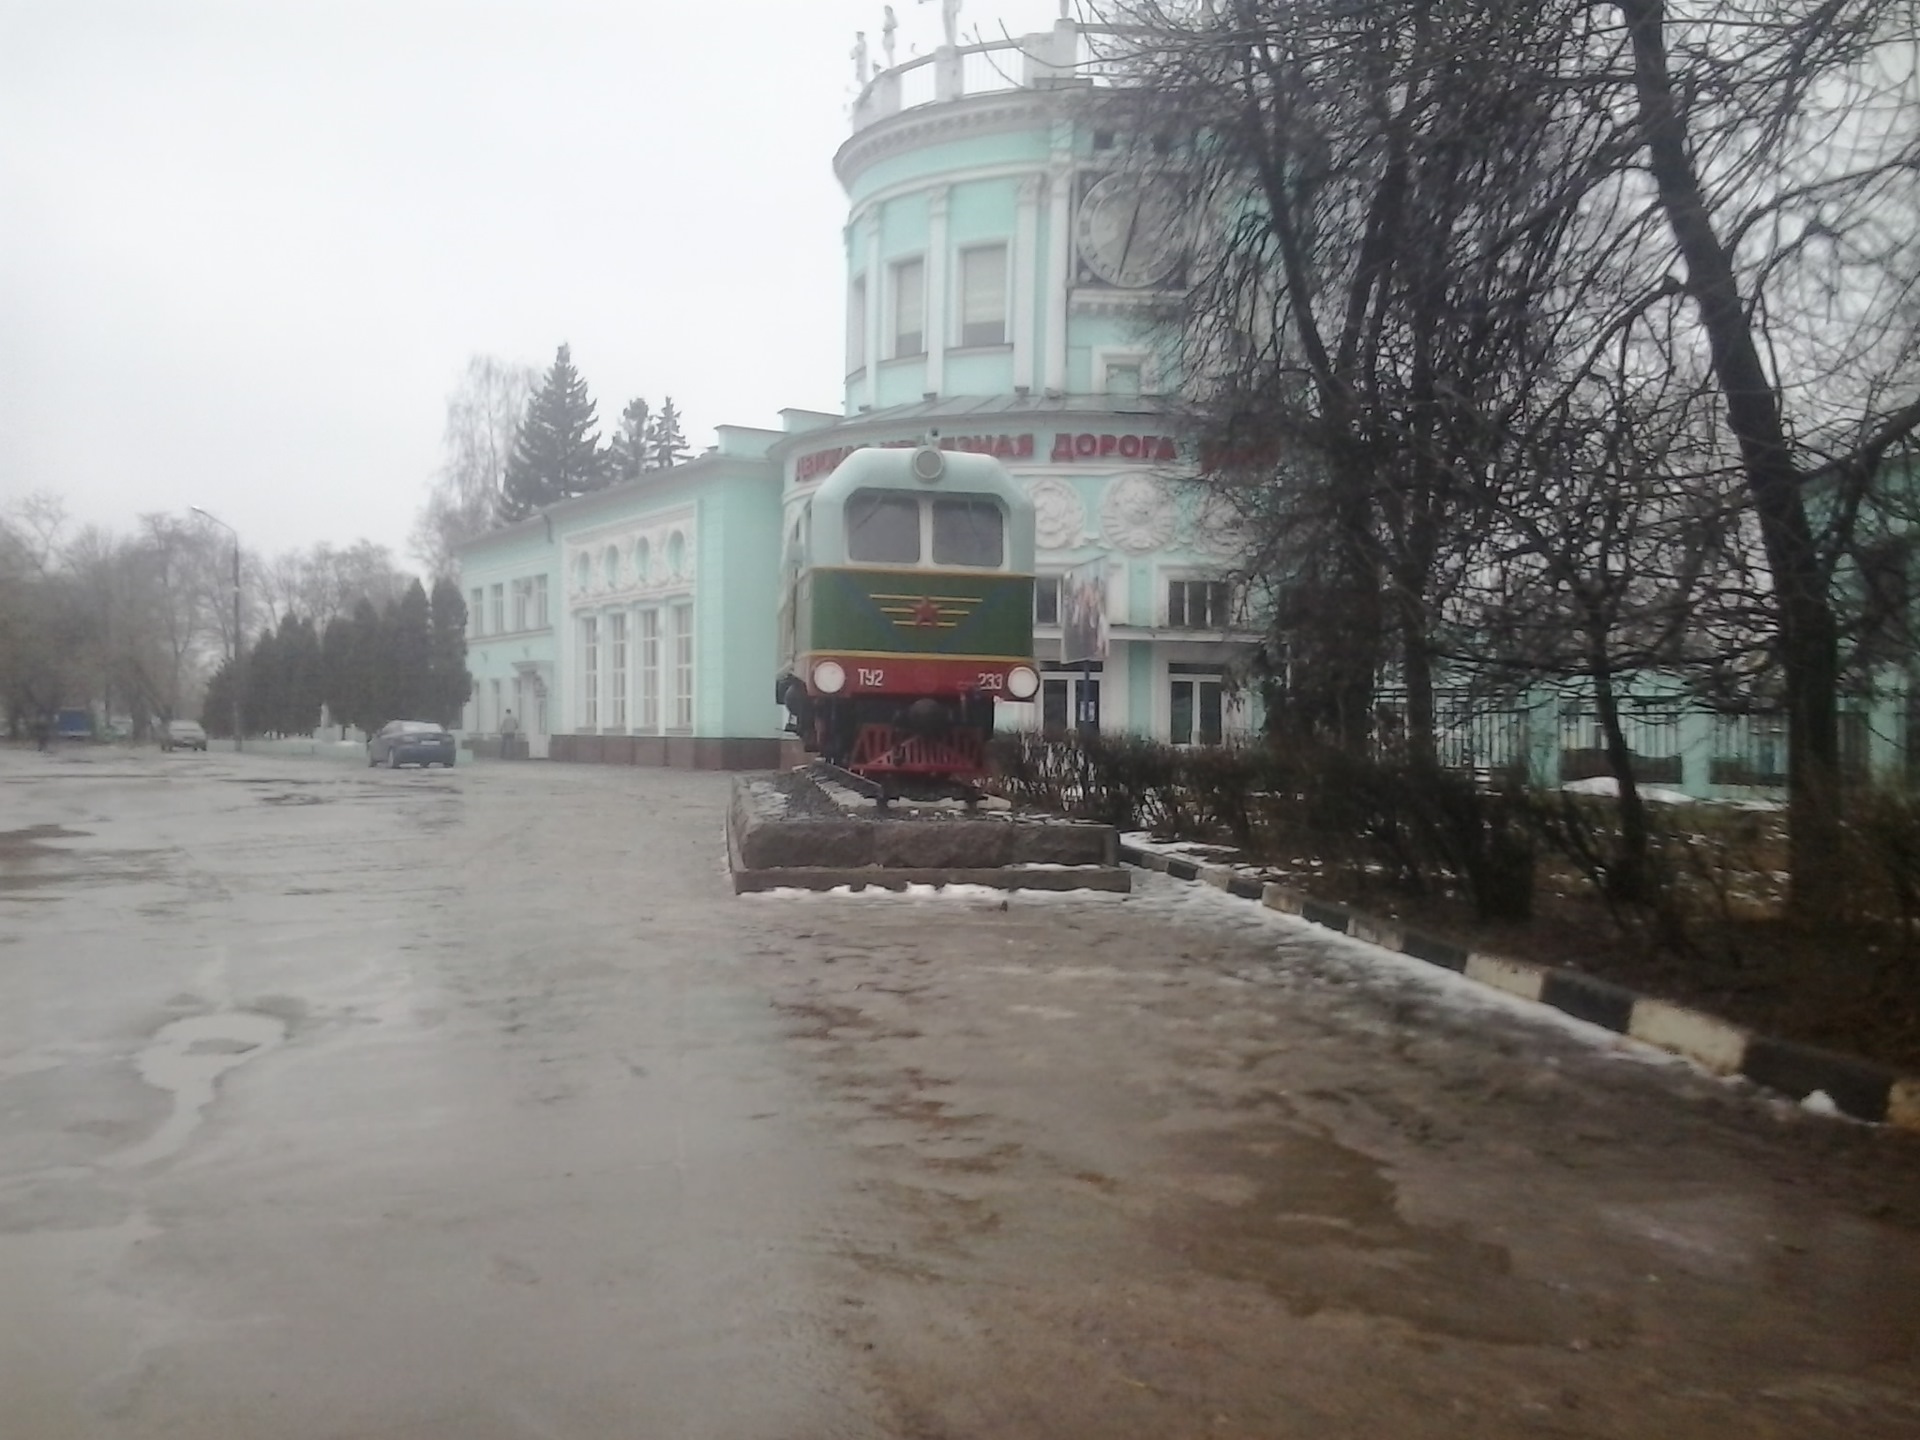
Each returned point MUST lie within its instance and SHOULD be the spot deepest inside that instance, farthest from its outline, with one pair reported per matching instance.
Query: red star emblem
(926, 614)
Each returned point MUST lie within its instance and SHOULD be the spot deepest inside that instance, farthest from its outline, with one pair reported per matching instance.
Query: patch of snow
(1608, 786)
(1819, 1103)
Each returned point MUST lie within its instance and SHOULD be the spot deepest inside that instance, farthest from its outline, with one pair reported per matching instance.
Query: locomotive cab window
(968, 530)
(883, 528)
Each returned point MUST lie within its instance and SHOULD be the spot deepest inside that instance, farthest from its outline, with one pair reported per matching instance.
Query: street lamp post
(233, 679)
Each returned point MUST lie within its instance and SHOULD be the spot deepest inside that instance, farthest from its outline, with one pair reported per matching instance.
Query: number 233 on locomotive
(906, 611)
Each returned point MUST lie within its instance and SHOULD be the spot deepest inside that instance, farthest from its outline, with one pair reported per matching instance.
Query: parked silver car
(410, 742)
(183, 735)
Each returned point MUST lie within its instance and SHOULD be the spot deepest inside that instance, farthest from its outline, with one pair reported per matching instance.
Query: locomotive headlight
(829, 677)
(1022, 683)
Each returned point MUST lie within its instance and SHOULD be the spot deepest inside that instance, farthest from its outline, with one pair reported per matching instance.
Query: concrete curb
(1858, 1088)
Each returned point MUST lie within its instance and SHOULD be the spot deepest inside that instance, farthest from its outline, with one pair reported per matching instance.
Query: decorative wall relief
(1138, 514)
(1215, 529)
(1059, 517)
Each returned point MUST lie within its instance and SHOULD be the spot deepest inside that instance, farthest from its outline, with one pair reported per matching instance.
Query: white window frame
(497, 609)
(1038, 582)
(522, 592)
(957, 331)
(1215, 678)
(647, 664)
(617, 670)
(540, 620)
(894, 333)
(1108, 357)
(1164, 601)
(858, 301)
(590, 672)
(493, 689)
(683, 663)
(477, 612)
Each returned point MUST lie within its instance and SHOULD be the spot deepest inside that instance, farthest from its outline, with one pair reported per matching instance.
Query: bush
(1421, 825)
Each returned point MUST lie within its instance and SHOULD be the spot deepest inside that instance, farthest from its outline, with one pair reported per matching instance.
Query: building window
(983, 295)
(857, 324)
(617, 670)
(611, 562)
(909, 309)
(642, 562)
(497, 617)
(477, 611)
(539, 708)
(539, 602)
(1197, 604)
(589, 672)
(1123, 380)
(1196, 710)
(520, 593)
(494, 689)
(968, 532)
(683, 667)
(648, 660)
(676, 555)
(1046, 599)
(1069, 700)
(883, 528)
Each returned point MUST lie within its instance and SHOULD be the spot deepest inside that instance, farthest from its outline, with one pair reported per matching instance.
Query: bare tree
(1439, 230)
(483, 415)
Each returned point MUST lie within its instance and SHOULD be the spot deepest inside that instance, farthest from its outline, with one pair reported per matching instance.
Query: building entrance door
(532, 712)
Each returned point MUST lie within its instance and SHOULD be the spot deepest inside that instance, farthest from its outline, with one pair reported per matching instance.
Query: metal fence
(1470, 731)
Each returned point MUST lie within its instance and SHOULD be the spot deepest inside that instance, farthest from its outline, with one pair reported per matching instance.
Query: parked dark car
(411, 742)
(183, 735)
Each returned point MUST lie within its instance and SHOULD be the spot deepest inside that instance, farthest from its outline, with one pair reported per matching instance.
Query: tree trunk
(1627, 879)
(1808, 644)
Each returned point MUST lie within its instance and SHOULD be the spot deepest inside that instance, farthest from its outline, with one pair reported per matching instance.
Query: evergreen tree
(260, 686)
(336, 670)
(216, 709)
(557, 453)
(409, 655)
(450, 681)
(298, 653)
(627, 455)
(666, 446)
(358, 680)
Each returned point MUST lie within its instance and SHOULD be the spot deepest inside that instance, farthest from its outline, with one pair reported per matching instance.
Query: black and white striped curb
(1858, 1088)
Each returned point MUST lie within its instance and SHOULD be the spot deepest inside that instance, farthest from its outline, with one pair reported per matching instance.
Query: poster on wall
(1083, 613)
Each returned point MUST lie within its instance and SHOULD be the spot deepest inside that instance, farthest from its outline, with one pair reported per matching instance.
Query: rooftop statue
(859, 55)
(950, 20)
(887, 27)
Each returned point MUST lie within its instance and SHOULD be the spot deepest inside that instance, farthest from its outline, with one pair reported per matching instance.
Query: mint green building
(998, 263)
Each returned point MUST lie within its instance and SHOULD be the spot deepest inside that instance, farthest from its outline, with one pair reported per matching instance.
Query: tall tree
(484, 413)
(666, 446)
(557, 453)
(409, 656)
(627, 455)
(451, 682)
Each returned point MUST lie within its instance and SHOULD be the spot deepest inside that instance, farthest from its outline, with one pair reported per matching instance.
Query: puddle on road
(187, 1058)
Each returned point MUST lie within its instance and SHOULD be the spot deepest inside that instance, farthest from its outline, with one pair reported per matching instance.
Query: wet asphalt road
(338, 1103)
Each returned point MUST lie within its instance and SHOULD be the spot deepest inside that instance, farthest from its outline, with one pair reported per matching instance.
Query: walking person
(509, 735)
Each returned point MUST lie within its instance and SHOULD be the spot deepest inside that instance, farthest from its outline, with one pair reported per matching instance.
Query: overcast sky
(246, 248)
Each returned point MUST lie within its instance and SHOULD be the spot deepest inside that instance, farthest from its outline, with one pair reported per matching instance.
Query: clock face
(1130, 230)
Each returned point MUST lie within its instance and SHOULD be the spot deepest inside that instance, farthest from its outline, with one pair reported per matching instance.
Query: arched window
(612, 564)
(642, 561)
(582, 573)
(676, 555)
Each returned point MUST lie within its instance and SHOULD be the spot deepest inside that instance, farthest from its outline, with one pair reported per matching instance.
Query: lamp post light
(233, 679)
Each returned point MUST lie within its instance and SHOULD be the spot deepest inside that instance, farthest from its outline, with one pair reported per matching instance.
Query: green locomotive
(906, 611)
